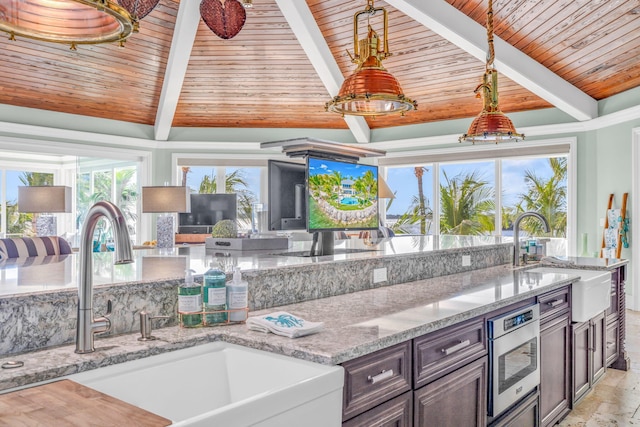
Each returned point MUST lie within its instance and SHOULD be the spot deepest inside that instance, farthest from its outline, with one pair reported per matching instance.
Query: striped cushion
(33, 246)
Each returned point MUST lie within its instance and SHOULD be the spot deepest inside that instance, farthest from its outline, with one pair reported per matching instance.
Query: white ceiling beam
(306, 30)
(184, 35)
(467, 34)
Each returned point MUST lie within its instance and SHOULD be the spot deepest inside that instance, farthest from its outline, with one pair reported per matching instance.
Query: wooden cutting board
(67, 403)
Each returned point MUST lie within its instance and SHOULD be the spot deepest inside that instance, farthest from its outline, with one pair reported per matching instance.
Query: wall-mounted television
(287, 194)
(341, 196)
(206, 211)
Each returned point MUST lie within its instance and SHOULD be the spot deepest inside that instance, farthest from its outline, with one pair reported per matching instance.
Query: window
(470, 193)
(22, 223)
(411, 211)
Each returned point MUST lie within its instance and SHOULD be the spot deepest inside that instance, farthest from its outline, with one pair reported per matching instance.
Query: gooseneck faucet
(516, 232)
(87, 325)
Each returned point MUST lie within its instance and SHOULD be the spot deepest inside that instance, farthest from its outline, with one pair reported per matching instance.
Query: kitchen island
(361, 317)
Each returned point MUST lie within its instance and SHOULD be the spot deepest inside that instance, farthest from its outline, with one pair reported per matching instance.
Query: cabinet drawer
(554, 302)
(397, 412)
(376, 378)
(441, 352)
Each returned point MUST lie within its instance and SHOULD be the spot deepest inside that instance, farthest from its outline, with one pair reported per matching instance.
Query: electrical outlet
(379, 275)
(466, 260)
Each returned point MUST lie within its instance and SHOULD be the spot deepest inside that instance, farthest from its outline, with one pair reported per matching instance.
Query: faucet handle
(145, 325)
(109, 308)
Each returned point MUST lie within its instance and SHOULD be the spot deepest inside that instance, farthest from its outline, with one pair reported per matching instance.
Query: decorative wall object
(224, 17)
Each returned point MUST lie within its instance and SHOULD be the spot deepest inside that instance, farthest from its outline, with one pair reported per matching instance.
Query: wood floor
(615, 400)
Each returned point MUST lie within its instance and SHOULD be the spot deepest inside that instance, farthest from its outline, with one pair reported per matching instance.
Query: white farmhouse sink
(221, 384)
(590, 295)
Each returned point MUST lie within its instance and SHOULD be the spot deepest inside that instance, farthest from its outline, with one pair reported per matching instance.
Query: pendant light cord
(491, 54)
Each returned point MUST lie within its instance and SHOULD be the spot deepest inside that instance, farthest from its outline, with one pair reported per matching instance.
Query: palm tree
(419, 171)
(467, 205)
(548, 197)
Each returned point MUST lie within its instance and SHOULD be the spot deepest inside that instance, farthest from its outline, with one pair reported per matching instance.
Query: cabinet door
(581, 359)
(397, 412)
(612, 343)
(457, 399)
(524, 414)
(598, 345)
(555, 369)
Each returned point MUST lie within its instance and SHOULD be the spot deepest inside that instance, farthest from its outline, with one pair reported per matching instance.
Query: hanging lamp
(71, 22)
(371, 90)
(491, 125)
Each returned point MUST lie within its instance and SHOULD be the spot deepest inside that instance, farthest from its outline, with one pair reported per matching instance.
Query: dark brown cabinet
(525, 414)
(555, 369)
(589, 354)
(457, 399)
(397, 412)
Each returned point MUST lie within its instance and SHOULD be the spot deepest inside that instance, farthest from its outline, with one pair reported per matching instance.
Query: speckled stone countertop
(584, 263)
(355, 324)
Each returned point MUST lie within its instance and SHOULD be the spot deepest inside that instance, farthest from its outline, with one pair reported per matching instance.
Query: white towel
(283, 323)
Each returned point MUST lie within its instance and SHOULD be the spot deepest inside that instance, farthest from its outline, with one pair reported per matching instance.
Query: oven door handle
(456, 347)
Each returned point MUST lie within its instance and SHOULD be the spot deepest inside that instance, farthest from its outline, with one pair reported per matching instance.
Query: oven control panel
(520, 319)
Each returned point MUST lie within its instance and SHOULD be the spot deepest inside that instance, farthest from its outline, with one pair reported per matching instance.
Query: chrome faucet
(516, 232)
(87, 325)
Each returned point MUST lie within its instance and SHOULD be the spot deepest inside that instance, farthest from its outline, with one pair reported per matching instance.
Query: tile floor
(615, 400)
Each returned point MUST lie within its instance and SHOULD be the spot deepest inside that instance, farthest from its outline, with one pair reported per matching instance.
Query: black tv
(287, 193)
(206, 211)
(341, 196)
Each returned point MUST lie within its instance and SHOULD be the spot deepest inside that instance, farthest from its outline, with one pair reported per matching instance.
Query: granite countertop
(355, 324)
(60, 272)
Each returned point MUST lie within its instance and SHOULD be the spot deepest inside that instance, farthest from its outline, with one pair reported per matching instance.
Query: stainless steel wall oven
(514, 357)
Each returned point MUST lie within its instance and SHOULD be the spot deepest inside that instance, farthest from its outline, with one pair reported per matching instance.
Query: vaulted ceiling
(291, 57)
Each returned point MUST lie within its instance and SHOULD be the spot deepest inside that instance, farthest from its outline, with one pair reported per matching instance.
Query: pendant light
(67, 21)
(491, 125)
(371, 90)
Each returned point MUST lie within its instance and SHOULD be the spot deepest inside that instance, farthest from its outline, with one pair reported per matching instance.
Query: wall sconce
(45, 200)
(166, 200)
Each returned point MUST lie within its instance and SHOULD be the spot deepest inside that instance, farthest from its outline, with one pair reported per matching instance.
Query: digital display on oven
(520, 319)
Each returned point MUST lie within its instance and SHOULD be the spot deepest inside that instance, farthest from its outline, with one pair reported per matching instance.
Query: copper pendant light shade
(491, 125)
(139, 8)
(67, 21)
(371, 90)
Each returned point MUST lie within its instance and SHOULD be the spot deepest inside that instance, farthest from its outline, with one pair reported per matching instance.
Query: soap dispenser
(215, 297)
(190, 301)
(237, 297)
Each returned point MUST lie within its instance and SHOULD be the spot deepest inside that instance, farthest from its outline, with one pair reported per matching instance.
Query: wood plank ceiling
(263, 77)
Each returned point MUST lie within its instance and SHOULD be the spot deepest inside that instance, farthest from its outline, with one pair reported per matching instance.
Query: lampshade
(384, 192)
(166, 199)
(371, 90)
(44, 199)
(491, 125)
(67, 21)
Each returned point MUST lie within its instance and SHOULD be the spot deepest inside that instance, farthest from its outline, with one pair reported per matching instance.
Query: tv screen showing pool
(341, 195)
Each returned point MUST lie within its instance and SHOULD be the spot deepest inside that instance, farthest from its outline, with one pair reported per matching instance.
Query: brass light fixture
(371, 90)
(491, 125)
(71, 22)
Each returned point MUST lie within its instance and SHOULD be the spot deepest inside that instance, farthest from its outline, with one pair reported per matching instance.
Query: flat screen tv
(287, 193)
(206, 211)
(341, 196)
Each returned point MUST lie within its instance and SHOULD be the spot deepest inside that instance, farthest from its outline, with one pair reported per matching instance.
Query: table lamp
(165, 200)
(44, 200)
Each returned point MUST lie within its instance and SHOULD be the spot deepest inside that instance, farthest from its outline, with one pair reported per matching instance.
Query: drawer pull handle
(381, 376)
(610, 344)
(456, 347)
(556, 303)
